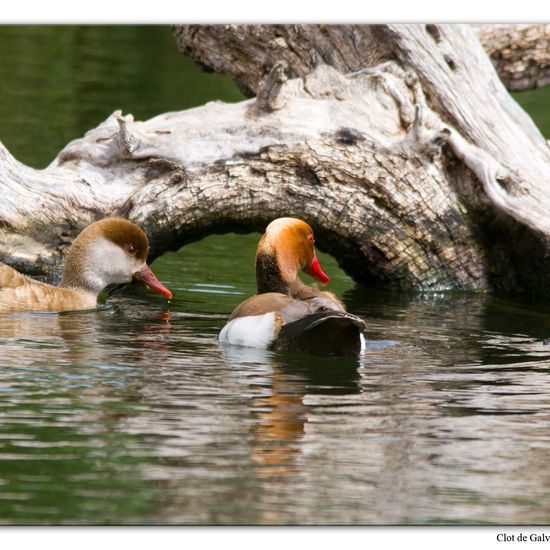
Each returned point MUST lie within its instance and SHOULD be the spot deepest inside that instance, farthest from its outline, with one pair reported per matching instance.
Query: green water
(133, 414)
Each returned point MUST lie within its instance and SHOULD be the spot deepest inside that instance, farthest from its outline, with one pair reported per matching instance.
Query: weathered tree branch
(520, 53)
(417, 170)
(247, 52)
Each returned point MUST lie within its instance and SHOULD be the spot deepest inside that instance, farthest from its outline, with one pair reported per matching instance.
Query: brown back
(260, 304)
(10, 278)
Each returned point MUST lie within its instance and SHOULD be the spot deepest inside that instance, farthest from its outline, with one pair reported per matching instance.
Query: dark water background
(133, 414)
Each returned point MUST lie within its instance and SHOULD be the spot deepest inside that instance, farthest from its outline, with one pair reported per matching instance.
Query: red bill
(148, 278)
(316, 272)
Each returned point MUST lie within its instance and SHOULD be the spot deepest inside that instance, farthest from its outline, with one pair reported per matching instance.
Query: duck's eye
(310, 239)
(131, 249)
(322, 308)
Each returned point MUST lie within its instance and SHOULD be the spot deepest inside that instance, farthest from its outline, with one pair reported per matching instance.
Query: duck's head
(285, 249)
(110, 252)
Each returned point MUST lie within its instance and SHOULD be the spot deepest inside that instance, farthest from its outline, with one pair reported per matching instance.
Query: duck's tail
(323, 333)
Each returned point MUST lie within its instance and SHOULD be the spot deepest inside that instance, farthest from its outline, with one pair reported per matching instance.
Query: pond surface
(134, 414)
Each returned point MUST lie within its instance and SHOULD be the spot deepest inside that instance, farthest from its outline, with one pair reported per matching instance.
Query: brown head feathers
(122, 233)
(119, 231)
(284, 250)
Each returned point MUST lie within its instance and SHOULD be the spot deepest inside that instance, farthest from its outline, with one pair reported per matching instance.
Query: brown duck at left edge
(110, 251)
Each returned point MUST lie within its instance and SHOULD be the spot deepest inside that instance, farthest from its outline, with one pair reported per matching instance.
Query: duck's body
(109, 252)
(10, 278)
(286, 314)
(36, 296)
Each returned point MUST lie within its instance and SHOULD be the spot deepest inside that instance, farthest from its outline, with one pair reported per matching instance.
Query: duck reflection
(279, 413)
(80, 338)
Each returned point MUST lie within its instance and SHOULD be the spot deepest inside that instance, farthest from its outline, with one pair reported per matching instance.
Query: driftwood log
(398, 143)
(520, 53)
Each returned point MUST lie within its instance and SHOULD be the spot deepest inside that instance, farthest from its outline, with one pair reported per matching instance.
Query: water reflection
(76, 338)
(279, 413)
(135, 414)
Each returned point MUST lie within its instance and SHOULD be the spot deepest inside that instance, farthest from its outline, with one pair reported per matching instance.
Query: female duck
(110, 251)
(286, 314)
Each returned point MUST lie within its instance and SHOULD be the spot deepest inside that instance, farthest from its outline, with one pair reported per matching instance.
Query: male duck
(286, 314)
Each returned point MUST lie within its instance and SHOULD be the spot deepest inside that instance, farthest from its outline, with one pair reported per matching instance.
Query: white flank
(363, 343)
(257, 331)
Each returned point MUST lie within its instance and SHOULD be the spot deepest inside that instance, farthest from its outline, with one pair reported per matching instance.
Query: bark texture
(520, 53)
(413, 164)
